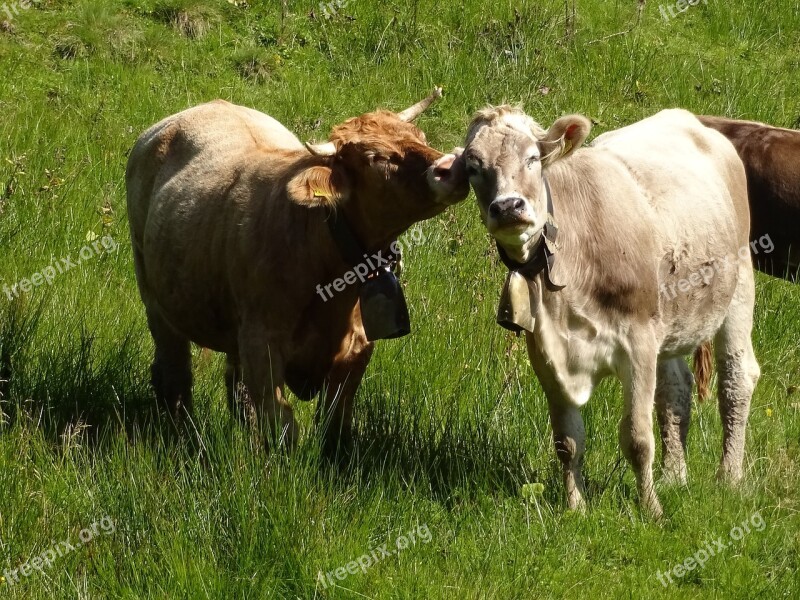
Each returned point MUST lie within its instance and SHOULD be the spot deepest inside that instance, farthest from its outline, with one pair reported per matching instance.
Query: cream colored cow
(643, 210)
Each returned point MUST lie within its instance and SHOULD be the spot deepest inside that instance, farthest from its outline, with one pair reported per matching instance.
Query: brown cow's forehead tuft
(381, 129)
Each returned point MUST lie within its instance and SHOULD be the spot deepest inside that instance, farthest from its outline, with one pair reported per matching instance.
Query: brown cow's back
(771, 158)
(213, 231)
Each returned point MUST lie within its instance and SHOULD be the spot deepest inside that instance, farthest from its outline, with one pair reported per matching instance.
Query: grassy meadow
(452, 423)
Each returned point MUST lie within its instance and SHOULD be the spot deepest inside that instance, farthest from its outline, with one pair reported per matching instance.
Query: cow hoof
(674, 478)
(653, 509)
(576, 505)
(729, 475)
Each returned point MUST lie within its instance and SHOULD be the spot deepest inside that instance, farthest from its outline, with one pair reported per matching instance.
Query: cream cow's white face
(505, 156)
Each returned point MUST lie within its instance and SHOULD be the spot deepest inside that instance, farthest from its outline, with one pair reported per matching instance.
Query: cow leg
(263, 377)
(569, 437)
(738, 373)
(335, 410)
(636, 426)
(673, 409)
(171, 370)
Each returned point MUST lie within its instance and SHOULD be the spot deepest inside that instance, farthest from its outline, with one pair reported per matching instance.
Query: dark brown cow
(771, 158)
(229, 216)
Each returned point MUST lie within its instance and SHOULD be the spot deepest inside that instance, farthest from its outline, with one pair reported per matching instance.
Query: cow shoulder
(606, 234)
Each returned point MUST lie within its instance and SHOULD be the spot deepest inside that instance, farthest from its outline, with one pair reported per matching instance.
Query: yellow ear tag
(318, 193)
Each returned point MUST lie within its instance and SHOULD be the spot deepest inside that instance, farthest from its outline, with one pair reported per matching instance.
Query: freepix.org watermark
(57, 550)
(365, 561)
(11, 9)
(670, 11)
(380, 259)
(711, 548)
(705, 275)
(60, 266)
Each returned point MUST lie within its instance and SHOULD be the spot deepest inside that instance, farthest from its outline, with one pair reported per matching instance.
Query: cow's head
(380, 170)
(506, 155)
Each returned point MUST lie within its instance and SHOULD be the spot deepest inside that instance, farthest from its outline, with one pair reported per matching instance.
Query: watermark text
(57, 550)
(60, 266)
(670, 11)
(705, 275)
(365, 561)
(371, 264)
(711, 548)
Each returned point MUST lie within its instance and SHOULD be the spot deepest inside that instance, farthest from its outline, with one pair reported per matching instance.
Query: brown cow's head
(379, 169)
(506, 156)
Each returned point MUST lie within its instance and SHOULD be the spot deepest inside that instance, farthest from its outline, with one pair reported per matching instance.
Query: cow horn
(323, 149)
(412, 112)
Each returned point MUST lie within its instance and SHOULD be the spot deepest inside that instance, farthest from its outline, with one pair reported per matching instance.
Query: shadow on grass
(73, 383)
(81, 385)
(450, 458)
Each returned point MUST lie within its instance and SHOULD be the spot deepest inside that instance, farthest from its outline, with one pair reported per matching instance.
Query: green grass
(452, 422)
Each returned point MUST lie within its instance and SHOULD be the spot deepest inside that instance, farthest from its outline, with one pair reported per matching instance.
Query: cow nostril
(507, 205)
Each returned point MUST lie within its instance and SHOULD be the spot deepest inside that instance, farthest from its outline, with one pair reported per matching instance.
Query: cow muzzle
(509, 215)
(447, 177)
(510, 209)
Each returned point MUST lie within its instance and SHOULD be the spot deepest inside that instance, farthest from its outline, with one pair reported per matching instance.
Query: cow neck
(543, 256)
(384, 314)
(352, 251)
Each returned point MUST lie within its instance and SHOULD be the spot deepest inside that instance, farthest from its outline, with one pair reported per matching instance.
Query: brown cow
(771, 158)
(230, 222)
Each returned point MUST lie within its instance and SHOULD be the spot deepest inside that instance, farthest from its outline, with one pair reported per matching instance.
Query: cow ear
(318, 186)
(565, 136)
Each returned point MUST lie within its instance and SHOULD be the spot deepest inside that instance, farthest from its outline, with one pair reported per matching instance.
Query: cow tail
(703, 369)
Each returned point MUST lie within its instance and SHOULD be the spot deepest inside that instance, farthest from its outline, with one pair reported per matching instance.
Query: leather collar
(351, 249)
(384, 314)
